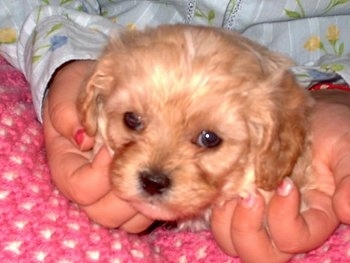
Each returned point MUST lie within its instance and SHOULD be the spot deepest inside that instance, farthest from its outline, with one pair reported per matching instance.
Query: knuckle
(80, 198)
(289, 247)
(134, 229)
(58, 111)
(80, 195)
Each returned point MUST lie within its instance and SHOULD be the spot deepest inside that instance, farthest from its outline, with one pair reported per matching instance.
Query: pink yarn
(38, 224)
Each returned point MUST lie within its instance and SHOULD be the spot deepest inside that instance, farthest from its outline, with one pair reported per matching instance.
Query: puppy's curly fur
(195, 116)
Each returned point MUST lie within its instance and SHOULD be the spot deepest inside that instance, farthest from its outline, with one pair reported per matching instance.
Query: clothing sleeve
(37, 38)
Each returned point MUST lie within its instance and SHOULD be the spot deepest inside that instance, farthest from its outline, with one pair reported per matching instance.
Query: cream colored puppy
(195, 116)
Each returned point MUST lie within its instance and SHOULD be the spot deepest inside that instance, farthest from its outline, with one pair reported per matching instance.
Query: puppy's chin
(154, 211)
(173, 205)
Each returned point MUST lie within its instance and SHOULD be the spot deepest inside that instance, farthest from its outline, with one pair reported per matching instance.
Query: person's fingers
(84, 184)
(220, 223)
(341, 200)
(78, 179)
(61, 102)
(295, 232)
(249, 234)
(109, 211)
(289, 232)
(91, 180)
(137, 224)
(112, 212)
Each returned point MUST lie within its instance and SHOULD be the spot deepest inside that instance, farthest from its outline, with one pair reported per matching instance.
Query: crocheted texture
(40, 225)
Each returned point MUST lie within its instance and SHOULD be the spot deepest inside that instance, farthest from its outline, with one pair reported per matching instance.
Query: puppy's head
(194, 116)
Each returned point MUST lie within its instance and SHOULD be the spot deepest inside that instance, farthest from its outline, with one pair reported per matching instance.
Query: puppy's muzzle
(154, 182)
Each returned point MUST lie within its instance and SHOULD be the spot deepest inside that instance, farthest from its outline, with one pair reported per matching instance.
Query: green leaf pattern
(300, 12)
(330, 43)
(209, 15)
(36, 56)
(53, 39)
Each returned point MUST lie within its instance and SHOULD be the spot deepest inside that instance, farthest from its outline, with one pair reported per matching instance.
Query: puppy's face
(193, 117)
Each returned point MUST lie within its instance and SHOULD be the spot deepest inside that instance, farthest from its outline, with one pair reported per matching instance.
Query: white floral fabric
(37, 36)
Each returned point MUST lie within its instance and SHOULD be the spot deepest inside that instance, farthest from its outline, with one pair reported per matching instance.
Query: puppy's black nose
(154, 182)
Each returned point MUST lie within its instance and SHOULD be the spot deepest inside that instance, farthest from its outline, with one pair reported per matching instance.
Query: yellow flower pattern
(332, 33)
(332, 38)
(313, 43)
(8, 35)
(330, 45)
(131, 26)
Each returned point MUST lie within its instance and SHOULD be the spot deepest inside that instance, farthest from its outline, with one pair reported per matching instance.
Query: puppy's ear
(278, 125)
(92, 96)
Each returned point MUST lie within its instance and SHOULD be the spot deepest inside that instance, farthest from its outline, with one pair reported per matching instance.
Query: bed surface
(39, 225)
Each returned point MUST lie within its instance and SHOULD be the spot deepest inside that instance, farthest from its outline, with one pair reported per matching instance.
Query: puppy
(195, 116)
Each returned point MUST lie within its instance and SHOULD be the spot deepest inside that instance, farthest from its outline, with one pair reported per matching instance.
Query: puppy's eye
(208, 139)
(133, 121)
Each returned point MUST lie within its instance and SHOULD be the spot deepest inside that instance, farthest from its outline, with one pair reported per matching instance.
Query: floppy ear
(92, 96)
(278, 125)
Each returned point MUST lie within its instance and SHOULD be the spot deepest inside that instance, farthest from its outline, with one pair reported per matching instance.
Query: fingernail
(248, 201)
(79, 136)
(285, 188)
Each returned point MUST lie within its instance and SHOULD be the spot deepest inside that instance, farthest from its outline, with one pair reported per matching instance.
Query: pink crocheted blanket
(38, 224)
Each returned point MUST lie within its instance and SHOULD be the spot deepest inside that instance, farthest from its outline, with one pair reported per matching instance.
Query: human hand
(275, 233)
(332, 124)
(84, 181)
